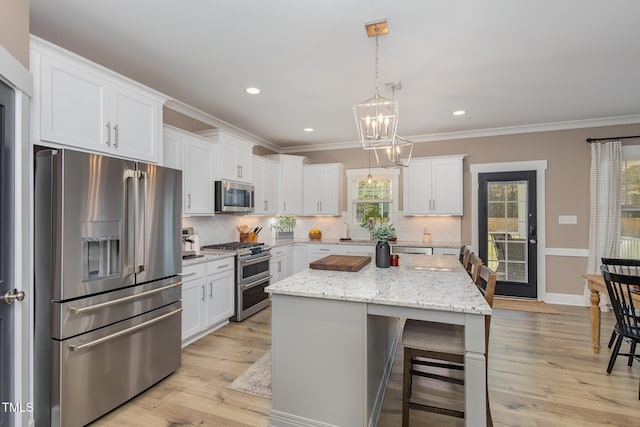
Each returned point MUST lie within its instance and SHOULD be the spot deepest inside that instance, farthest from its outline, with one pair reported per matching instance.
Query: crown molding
(480, 133)
(215, 122)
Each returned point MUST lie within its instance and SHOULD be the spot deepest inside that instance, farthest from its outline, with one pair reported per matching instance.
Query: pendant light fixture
(376, 117)
(369, 177)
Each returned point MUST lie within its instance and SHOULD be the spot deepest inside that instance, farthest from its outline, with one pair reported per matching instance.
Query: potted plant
(284, 226)
(382, 232)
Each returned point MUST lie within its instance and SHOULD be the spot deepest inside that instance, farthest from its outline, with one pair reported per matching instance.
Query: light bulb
(369, 179)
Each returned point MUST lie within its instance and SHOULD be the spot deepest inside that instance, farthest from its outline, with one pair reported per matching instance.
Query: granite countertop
(207, 257)
(435, 244)
(429, 282)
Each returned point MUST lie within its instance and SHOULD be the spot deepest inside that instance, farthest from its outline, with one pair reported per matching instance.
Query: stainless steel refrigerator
(107, 284)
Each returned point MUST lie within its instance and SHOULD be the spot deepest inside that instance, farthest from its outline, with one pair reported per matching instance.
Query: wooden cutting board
(341, 263)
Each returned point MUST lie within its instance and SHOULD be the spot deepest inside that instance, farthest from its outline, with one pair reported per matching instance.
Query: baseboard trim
(565, 299)
(572, 252)
(283, 419)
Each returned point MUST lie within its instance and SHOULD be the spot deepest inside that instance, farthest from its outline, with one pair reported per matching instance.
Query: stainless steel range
(252, 275)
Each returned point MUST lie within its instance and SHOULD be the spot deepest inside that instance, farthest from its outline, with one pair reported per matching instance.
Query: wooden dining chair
(629, 267)
(461, 255)
(619, 288)
(431, 347)
(465, 257)
(473, 265)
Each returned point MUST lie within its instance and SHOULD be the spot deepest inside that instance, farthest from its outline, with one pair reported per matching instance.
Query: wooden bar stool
(440, 346)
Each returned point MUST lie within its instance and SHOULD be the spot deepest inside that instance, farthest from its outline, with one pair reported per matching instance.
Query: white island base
(331, 362)
(334, 338)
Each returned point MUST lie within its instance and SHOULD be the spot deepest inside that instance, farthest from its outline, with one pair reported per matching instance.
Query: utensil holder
(248, 237)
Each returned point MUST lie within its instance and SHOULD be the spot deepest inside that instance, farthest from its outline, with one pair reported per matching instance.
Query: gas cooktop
(232, 246)
(242, 249)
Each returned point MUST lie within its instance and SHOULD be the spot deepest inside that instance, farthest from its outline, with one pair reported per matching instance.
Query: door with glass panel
(507, 230)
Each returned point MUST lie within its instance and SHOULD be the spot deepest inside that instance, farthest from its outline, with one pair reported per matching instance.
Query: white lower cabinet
(207, 298)
(219, 297)
(446, 251)
(316, 251)
(299, 260)
(280, 263)
(193, 279)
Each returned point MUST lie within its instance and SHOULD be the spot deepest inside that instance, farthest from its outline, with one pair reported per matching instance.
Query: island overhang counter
(334, 337)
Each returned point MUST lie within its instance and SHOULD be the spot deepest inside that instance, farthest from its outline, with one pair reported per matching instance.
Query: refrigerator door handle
(78, 347)
(141, 215)
(129, 253)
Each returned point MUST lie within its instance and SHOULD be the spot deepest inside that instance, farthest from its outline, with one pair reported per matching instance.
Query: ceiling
(510, 64)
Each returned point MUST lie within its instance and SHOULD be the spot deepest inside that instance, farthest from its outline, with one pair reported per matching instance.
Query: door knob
(533, 241)
(13, 295)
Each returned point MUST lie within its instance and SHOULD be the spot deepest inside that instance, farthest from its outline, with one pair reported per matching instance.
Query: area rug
(523, 305)
(256, 379)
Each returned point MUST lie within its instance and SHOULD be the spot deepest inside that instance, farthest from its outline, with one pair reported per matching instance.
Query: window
(630, 215)
(378, 199)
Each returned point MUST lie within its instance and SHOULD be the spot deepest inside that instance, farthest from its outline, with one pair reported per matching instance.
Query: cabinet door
(192, 307)
(291, 187)
(299, 258)
(244, 161)
(172, 150)
(137, 120)
(446, 187)
(265, 182)
(219, 298)
(276, 266)
(312, 192)
(270, 190)
(417, 188)
(73, 106)
(230, 168)
(328, 188)
(198, 177)
(315, 251)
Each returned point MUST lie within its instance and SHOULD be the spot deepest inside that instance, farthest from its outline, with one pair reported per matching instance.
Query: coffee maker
(190, 243)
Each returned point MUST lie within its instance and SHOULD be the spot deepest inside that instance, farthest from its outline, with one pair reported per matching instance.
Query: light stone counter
(334, 337)
(207, 257)
(435, 244)
(430, 282)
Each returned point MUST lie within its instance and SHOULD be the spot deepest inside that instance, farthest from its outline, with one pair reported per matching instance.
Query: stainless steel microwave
(233, 197)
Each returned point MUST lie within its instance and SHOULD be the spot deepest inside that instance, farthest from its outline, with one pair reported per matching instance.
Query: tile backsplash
(222, 228)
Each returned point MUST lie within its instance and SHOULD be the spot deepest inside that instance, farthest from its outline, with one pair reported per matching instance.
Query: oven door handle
(254, 284)
(74, 347)
(78, 310)
(254, 260)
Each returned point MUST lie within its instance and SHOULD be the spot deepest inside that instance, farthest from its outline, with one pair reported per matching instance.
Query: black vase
(383, 255)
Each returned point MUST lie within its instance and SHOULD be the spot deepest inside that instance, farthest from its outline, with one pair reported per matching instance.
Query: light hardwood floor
(542, 372)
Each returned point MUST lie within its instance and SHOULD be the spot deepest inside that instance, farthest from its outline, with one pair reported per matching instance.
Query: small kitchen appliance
(190, 243)
(233, 197)
(252, 275)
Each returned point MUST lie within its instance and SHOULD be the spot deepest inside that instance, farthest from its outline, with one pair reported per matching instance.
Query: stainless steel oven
(252, 276)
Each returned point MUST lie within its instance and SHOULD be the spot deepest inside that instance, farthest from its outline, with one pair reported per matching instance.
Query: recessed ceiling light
(460, 112)
(308, 129)
(252, 90)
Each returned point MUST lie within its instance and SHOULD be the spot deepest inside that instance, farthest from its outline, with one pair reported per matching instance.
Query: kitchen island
(334, 337)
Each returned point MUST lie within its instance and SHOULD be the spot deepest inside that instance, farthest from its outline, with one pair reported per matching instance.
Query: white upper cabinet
(235, 156)
(290, 184)
(81, 104)
(433, 186)
(265, 179)
(323, 189)
(194, 156)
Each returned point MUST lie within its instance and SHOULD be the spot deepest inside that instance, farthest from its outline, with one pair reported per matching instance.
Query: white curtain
(604, 227)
